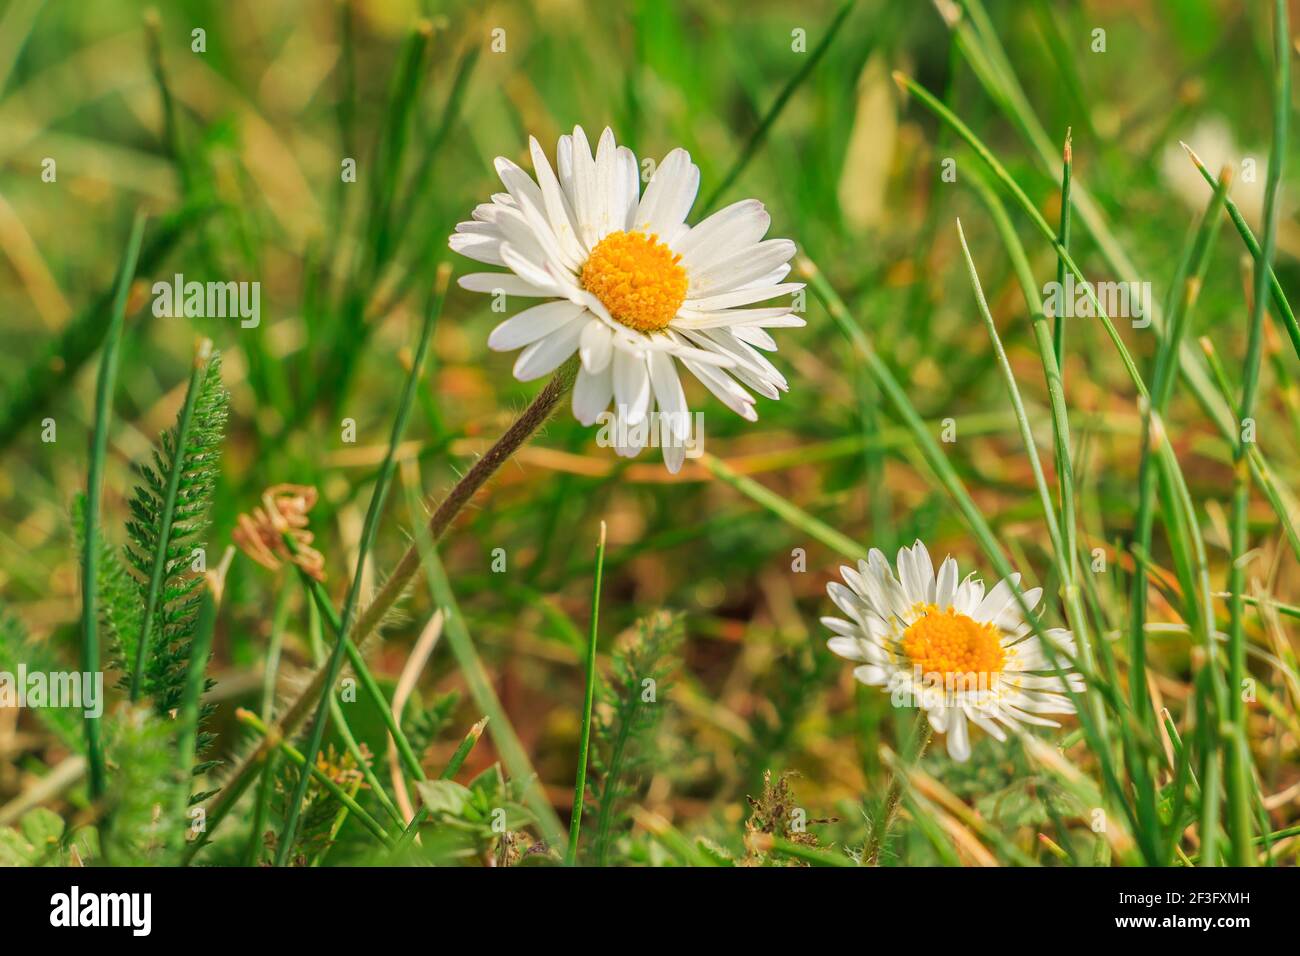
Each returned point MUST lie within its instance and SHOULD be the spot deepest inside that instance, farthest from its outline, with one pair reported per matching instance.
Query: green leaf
(444, 796)
(43, 828)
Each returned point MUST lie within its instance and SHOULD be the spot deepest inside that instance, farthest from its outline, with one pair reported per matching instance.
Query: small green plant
(631, 705)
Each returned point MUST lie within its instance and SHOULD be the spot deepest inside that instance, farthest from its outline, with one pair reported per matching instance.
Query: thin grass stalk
(792, 514)
(369, 529)
(262, 800)
(1066, 553)
(1022, 200)
(584, 741)
(1017, 404)
(296, 757)
(1252, 246)
(1165, 379)
(883, 821)
(1260, 470)
(471, 666)
(1239, 816)
(760, 132)
(321, 604)
(433, 144)
(341, 725)
(1063, 238)
(1001, 84)
(171, 126)
(94, 492)
(448, 772)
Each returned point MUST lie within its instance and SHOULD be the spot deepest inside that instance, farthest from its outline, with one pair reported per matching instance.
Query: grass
(108, 363)
(934, 395)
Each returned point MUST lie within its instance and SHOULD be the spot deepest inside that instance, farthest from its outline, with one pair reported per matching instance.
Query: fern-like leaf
(625, 725)
(169, 514)
(140, 747)
(118, 593)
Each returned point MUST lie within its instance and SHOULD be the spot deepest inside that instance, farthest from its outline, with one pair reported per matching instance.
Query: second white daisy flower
(630, 286)
(959, 653)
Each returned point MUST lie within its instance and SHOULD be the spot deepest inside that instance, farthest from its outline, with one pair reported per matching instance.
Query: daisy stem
(370, 528)
(922, 733)
(533, 417)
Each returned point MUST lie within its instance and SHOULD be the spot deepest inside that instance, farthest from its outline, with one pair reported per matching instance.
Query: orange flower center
(638, 278)
(950, 644)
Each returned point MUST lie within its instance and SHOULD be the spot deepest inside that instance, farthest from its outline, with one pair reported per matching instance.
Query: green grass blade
(580, 783)
(90, 657)
(757, 137)
(369, 529)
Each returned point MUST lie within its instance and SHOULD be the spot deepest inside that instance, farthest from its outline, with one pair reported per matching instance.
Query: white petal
(673, 410)
(546, 355)
(497, 283)
(850, 648)
(630, 195)
(479, 247)
(870, 674)
(674, 455)
(631, 386)
(608, 211)
(558, 210)
(945, 586)
(724, 388)
(591, 394)
(530, 270)
(958, 736)
(739, 225)
(996, 601)
(668, 196)
(739, 268)
(532, 324)
(596, 347)
(714, 302)
(583, 194)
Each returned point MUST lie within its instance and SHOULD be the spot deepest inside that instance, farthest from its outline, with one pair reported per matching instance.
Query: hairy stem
(292, 717)
(533, 417)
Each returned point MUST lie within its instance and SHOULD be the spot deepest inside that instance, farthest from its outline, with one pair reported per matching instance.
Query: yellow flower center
(951, 644)
(638, 278)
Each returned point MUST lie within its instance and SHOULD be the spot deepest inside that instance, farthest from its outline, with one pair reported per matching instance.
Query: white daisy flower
(631, 287)
(948, 647)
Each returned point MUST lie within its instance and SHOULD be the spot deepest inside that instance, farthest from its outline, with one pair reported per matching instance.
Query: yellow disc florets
(638, 278)
(943, 642)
